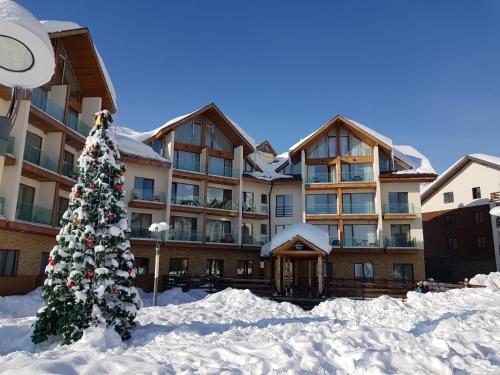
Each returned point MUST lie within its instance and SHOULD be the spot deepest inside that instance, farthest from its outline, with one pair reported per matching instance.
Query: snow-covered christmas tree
(91, 269)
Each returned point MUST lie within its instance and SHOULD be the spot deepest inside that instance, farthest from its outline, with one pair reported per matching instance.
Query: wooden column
(309, 273)
(320, 275)
(278, 273)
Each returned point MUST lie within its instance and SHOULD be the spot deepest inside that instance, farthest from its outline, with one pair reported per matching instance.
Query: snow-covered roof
(54, 26)
(413, 157)
(130, 146)
(448, 173)
(268, 169)
(308, 232)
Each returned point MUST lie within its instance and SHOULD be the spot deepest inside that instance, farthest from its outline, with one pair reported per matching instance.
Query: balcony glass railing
(221, 237)
(141, 233)
(184, 235)
(188, 200)
(360, 242)
(358, 176)
(321, 209)
(2, 205)
(359, 208)
(39, 100)
(318, 178)
(187, 165)
(256, 208)
(70, 170)
(216, 170)
(34, 214)
(41, 158)
(10, 145)
(148, 195)
(401, 241)
(399, 208)
(80, 127)
(248, 239)
(223, 204)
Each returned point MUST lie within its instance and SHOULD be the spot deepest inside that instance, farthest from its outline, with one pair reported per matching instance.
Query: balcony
(187, 165)
(223, 204)
(40, 158)
(255, 208)
(367, 208)
(402, 240)
(34, 214)
(70, 170)
(321, 209)
(80, 127)
(184, 235)
(360, 242)
(321, 178)
(357, 176)
(215, 170)
(228, 238)
(248, 239)
(188, 200)
(141, 233)
(399, 208)
(39, 100)
(2, 205)
(10, 145)
(148, 195)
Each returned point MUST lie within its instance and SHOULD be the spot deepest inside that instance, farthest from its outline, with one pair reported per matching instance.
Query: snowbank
(236, 332)
(21, 306)
(491, 280)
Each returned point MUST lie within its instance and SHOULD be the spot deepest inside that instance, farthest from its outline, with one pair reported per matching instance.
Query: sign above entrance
(298, 245)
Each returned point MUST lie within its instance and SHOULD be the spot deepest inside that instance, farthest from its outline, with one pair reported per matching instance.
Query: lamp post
(157, 228)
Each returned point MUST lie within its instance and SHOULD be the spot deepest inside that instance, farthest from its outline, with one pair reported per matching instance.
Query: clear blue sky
(425, 73)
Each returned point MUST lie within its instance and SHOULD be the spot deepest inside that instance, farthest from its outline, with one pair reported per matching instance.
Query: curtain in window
(187, 161)
(218, 231)
(357, 147)
(216, 140)
(189, 133)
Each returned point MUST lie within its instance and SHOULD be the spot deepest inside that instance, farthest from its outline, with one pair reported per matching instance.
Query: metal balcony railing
(148, 195)
(34, 214)
(284, 211)
(40, 158)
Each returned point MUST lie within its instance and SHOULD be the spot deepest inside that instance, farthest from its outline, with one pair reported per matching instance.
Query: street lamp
(157, 228)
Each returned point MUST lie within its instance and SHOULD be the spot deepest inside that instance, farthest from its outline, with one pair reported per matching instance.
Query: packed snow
(235, 332)
(268, 170)
(410, 155)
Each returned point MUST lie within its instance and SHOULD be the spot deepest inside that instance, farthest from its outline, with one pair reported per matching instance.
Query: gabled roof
(236, 134)
(86, 62)
(376, 137)
(265, 146)
(431, 189)
(129, 146)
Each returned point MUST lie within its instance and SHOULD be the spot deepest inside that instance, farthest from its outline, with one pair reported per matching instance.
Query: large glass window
(142, 265)
(398, 203)
(284, 205)
(139, 225)
(357, 172)
(220, 199)
(157, 146)
(358, 203)
(352, 146)
(245, 268)
(332, 230)
(363, 271)
(188, 161)
(400, 235)
(178, 266)
(189, 133)
(215, 267)
(321, 204)
(403, 271)
(186, 194)
(220, 166)
(63, 207)
(8, 262)
(217, 140)
(183, 229)
(219, 231)
(320, 173)
(25, 199)
(44, 261)
(33, 148)
(324, 148)
(360, 235)
(144, 188)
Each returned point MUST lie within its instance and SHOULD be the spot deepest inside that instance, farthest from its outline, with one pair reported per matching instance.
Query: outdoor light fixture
(26, 59)
(157, 228)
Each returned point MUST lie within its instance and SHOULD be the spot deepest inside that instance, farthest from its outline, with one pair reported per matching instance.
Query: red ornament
(112, 290)
(93, 149)
(77, 194)
(110, 217)
(92, 186)
(52, 262)
(118, 186)
(130, 270)
(90, 274)
(89, 241)
(70, 284)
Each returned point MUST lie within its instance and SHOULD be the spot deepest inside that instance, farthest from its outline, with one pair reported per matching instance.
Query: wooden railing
(495, 196)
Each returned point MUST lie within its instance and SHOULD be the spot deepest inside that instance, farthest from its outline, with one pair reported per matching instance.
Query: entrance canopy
(300, 240)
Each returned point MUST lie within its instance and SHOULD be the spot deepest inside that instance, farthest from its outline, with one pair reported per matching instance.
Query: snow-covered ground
(457, 332)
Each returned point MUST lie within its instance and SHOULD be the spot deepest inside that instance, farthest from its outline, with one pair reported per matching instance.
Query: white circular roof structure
(26, 54)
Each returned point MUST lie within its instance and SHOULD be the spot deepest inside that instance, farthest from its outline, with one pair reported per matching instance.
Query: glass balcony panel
(39, 99)
(360, 242)
(399, 208)
(34, 214)
(40, 158)
(229, 237)
(148, 195)
(321, 209)
(187, 200)
(359, 208)
(10, 145)
(401, 240)
(70, 170)
(223, 204)
(256, 208)
(357, 176)
(2, 205)
(248, 239)
(216, 170)
(187, 165)
(318, 178)
(184, 235)
(141, 233)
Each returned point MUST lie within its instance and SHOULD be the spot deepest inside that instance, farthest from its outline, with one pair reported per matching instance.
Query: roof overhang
(288, 249)
(407, 177)
(86, 65)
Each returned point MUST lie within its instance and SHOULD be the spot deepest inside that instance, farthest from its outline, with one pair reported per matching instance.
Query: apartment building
(462, 239)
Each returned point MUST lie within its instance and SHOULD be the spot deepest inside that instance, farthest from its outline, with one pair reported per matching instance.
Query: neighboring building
(461, 238)
(223, 195)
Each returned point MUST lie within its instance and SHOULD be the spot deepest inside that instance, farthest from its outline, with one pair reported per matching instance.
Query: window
(332, 231)
(448, 197)
(476, 192)
(220, 199)
(481, 243)
(360, 235)
(325, 147)
(8, 262)
(248, 167)
(321, 204)
(142, 265)
(452, 243)
(72, 120)
(178, 266)
(44, 260)
(216, 140)
(157, 146)
(184, 229)
(403, 271)
(69, 164)
(189, 133)
(245, 268)
(318, 173)
(352, 146)
(144, 188)
(398, 203)
(279, 228)
(400, 235)
(33, 148)
(263, 198)
(25, 199)
(67, 75)
(188, 161)
(478, 217)
(292, 168)
(248, 202)
(356, 172)
(284, 206)
(215, 267)
(450, 219)
(63, 207)
(219, 231)
(263, 229)
(247, 233)
(139, 225)
(220, 167)
(358, 203)
(385, 162)
(186, 194)
(363, 271)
